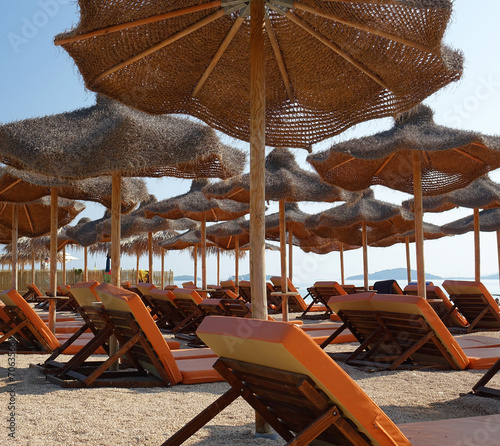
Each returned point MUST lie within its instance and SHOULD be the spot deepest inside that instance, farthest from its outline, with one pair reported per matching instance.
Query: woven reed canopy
(183, 241)
(431, 232)
(480, 194)
(356, 60)
(320, 245)
(19, 186)
(285, 181)
(110, 137)
(85, 231)
(451, 159)
(195, 205)
(228, 234)
(34, 217)
(489, 220)
(135, 223)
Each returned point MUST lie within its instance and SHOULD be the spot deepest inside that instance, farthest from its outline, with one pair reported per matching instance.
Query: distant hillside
(395, 273)
(490, 277)
(185, 278)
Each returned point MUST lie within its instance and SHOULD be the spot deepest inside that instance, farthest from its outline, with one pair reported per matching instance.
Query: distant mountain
(247, 277)
(395, 273)
(490, 277)
(185, 278)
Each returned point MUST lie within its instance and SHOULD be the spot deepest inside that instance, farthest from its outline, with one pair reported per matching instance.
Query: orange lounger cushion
(118, 299)
(320, 336)
(193, 353)
(187, 293)
(286, 347)
(197, 371)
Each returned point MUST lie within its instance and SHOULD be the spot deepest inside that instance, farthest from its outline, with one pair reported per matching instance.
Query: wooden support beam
(477, 246)
(53, 257)
(408, 263)
(342, 276)
(85, 264)
(365, 256)
(15, 235)
(116, 184)
(150, 256)
(419, 222)
(284, 282)
(204, 251)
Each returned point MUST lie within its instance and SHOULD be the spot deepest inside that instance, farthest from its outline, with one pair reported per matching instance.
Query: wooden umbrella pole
(162, 267)
(342, 276)
(408, 263)
(257, 173)
(64, 265)
(150, 254)
(290, 251)
(204, 251)
(53, 258)
(284, 282)
(137, 268)
(15, 234)
(477, 246)
(419, 223)
(195, 251)
(115, 227)
(257, 160)
(85, 264)
(32, 264)
(498, 250)
(237, 261)
(365, 255)
(218, 267)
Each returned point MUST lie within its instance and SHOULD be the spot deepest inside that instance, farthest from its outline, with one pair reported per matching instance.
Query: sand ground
(46, 414)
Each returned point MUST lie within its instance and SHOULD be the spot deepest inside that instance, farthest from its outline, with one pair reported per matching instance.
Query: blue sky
(39, 79)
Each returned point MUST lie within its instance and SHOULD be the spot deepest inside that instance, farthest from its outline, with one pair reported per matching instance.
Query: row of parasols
(362, 221)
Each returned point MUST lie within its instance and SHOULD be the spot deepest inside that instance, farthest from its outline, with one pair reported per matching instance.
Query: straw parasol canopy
(361, 223)
(135, 54)
(110, 137)
(416, 156)
(196, 206)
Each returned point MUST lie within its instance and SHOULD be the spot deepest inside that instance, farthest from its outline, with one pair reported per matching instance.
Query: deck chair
(163, 306)
(440, 304)
(143, 348)
(480, 387)
(302, 393)
(32, 294)
(393, 330)
(296, 304)
(30, 331)
(387, 287)
(475, 302)
(320, 293)
(187, 301)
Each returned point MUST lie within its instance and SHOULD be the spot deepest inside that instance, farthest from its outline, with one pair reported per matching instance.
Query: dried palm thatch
(314, 90)
(480, 194)
(34, 217)
(85, 231)
(323, 246)
(451, 159)
(228, 233)
(18, 186)
(489, 221)
(345, 223)
(285, 181)
(431, 232)
(135, 223)
(110, 137)
(196, 206)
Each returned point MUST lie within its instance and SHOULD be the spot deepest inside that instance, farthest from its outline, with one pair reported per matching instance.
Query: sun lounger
(475, 302)
(390, 286)
(32, 294)
(146, 351)
(301, 392)
(480, 387)
(397, 329)
(22, 322)
(187, 300)
(440, 304)
(296, 303)
(320, 293)
(163, 306)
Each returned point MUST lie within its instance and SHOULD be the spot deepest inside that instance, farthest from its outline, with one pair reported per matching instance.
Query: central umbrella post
(477, 249)
(419, 222)
(85, 264)
(15, 230)
(236, 261)
(53, 258)
(290, 251)
(150, 254)
(408, 263)
(342, 278)
(204, 251)
(365, 256)
(284, 282)
(116, 182)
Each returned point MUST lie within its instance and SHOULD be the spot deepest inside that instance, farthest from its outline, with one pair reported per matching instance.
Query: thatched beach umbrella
(112, 139)
(480, 194)
(416, 156)
(18, 185)
(285, 182)
(196, 206)
(361, 223)
(488, 220)
(240, 66)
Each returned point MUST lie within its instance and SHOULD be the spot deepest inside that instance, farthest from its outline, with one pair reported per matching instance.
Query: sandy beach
(49, 415)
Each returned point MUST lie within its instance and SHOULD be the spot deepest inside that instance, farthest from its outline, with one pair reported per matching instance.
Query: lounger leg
(13, 331)
(411, 350)
(479, 386)
(475, 322)
(333, 335)
(203, 418)
(70, 341)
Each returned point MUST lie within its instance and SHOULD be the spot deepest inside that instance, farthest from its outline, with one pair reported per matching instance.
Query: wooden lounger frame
(169, 316)
(320, 295)
(21, 328)
(480, 387)
(133, 344)
(387, 339)
(470, 306)
(288, 401)
(193, 315)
